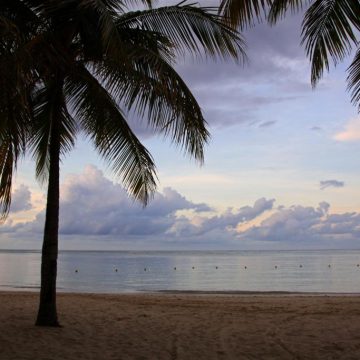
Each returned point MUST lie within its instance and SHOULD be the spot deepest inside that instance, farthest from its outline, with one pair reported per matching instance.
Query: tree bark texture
(47, 314)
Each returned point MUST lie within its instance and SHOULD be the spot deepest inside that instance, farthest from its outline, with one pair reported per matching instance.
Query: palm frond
(148, 3)
(189, 28)
(103, 122)
(15, 122)
(7, 163)
(328, 31)
(49, 107)
(156, 92)
(14, 125)
(354, 79)
(243, 13)
(279, 8)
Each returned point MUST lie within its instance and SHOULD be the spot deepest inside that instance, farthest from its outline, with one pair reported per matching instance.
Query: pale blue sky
(278, 149)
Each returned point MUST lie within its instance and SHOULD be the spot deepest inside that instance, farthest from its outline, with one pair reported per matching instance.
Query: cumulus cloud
(300, 227)
(225, 222)
(93, 208)
(351, 131)
(331, 183)
(92, 205)
(21, 199)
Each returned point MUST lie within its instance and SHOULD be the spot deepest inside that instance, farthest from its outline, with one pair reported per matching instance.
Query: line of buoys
(216, 267)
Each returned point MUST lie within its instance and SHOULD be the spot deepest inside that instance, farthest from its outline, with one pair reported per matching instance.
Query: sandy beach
(183, 326)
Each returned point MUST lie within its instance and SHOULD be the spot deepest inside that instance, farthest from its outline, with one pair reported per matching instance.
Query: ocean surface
(133, 271)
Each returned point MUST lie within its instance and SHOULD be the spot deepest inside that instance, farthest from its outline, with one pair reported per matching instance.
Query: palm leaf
(104, 123)
(354, 79)
(189, 28)
(279, 8)
(328, 31)
(243, 13)
(154, 89)
(15, 116)
(14, 125)
(7, 163)
(49, 107)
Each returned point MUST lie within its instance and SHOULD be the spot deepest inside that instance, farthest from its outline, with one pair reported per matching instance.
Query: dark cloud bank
(97, 213)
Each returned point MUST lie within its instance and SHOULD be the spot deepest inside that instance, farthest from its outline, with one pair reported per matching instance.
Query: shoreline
(36, 289)
(182, 326)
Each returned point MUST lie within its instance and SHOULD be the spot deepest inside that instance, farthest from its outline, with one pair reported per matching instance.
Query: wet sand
(183, 326)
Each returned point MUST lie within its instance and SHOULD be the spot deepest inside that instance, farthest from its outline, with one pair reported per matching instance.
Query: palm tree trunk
(47, 315)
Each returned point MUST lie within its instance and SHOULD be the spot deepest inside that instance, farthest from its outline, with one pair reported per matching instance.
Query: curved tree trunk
(47, 315)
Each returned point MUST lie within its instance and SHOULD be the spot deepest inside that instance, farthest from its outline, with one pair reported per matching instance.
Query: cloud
(97, 213)
(351, 131)
(307, 227)
(92, 205)
(21, 199)
(277, 72)
(267, 124)
(316, 128)
(331, 183)
(225, 222)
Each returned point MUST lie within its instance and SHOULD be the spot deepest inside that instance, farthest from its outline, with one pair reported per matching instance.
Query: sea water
(131, 271)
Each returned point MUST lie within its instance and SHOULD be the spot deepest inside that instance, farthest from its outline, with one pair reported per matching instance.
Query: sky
(281, 170)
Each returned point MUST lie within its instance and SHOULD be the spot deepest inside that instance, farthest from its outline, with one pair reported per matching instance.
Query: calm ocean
(131, 271)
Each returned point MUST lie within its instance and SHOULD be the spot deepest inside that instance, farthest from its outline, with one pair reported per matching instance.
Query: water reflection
(208, 271)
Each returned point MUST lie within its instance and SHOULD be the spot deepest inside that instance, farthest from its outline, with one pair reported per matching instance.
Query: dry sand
(183, 326)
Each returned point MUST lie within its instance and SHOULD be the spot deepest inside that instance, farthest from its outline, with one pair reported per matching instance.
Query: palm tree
(81, 65)
(330, 30)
